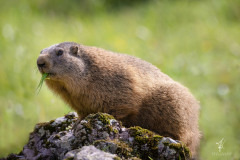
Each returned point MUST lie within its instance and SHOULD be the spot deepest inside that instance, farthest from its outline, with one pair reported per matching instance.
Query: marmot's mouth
(42, 71)
(50, 75)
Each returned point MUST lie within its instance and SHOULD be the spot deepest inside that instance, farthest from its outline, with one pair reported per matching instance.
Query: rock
(98, 136)
(89, 153)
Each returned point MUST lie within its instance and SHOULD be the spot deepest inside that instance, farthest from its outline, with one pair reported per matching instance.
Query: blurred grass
(195, 42)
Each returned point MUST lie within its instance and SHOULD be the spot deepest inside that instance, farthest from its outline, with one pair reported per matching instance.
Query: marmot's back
(94, 80)
(143, 74)
(117, 59)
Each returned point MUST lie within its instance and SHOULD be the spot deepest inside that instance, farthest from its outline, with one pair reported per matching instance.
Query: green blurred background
(195, 42)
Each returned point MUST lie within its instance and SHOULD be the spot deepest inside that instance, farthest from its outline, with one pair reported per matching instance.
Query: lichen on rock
(98, 136)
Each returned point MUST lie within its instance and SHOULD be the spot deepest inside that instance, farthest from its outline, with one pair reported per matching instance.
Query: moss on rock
(103, 117)
(145, 142)
(120, 148)
(181, 148)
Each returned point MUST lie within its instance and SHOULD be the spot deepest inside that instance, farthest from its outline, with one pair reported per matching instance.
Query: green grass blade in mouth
(44, 76)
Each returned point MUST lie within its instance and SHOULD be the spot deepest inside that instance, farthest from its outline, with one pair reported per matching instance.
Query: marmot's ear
(74, 50)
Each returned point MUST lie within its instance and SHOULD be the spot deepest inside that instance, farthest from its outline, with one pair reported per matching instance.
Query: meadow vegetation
(195, 42)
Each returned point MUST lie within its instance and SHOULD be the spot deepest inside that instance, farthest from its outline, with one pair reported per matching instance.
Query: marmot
(92, 80)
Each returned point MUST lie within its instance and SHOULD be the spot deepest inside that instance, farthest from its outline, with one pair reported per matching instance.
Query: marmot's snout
(42, 64)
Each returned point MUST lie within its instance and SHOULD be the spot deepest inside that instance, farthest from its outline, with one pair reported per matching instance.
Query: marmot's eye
(59, 52)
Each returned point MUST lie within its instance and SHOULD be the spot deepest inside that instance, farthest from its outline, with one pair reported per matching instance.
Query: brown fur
(92, 80)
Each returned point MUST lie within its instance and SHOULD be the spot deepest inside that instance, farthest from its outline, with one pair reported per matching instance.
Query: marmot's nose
(41, 65)
(41, 62)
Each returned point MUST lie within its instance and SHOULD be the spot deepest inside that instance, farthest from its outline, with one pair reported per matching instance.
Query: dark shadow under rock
(98, 136)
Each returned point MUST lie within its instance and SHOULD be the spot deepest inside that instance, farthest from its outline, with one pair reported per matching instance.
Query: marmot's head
(62, 62)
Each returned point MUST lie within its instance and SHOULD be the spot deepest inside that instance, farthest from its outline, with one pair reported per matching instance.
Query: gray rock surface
(99, 136)
(89, 153)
